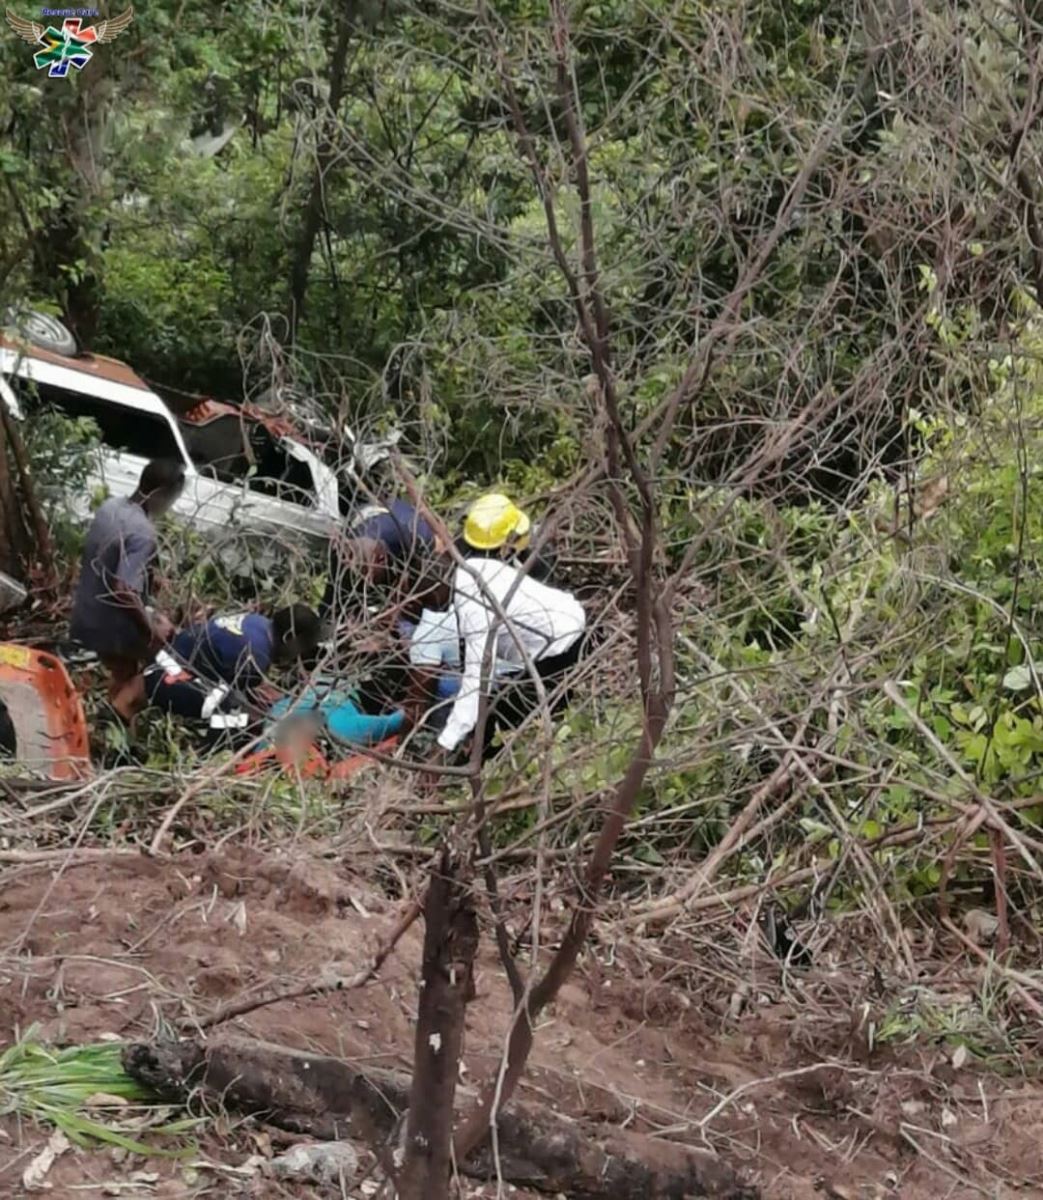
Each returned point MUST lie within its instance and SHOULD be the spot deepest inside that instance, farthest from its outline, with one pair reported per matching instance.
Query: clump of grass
(973, 1020)
(60, 1087)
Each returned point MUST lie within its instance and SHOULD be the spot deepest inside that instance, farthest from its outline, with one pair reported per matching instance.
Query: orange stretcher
(311, 763)
(46, 712)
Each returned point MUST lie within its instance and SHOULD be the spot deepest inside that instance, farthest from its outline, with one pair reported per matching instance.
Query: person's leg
(513, 702)
(120, 671)
(126, 691)
(129, 700)
(192, 698)
(554, 672)
(176, 695)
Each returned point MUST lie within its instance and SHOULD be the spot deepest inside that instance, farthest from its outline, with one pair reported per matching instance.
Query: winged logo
(70, 45)
(110, 29)
(28, 31)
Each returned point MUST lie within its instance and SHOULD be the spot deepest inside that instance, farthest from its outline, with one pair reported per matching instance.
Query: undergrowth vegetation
(85, 1092)
(744, 305)
(797, 616)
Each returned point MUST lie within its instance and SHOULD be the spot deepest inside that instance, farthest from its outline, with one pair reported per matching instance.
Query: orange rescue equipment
(46, 712)
(310, 762)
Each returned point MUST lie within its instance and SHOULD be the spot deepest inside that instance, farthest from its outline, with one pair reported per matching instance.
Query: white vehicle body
(137, 426)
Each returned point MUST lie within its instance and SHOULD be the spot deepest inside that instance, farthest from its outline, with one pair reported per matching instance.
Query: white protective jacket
(542, 622)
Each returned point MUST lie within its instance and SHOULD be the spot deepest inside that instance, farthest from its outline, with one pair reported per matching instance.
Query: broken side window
(237, 451)
(278, 473)
(122, 428)
(217, 447)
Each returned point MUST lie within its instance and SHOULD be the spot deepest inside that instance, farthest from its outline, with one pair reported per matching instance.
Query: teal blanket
(341, 717)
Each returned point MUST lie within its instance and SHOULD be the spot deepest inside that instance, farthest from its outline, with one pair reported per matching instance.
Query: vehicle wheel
(42, 330)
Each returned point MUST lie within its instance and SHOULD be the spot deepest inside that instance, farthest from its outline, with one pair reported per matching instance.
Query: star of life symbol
(70, 45)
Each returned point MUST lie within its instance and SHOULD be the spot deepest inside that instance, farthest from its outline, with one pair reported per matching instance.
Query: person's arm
(476, 622)
(257, 700)
(420, 693)
(373, 729)
(127, 588)
(131, 603)
(252, 685)
(251, 688)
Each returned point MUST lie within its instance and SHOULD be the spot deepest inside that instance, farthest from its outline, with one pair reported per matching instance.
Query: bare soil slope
(119, 946)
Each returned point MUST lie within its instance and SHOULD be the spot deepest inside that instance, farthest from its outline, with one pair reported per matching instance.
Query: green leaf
(1019, 679)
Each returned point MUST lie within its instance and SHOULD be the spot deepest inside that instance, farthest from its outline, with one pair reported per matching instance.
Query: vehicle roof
(97, 365)
(206, 409)
(104, 378)
(113, 387)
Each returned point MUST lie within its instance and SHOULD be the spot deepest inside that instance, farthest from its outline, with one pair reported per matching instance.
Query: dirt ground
(119, 947)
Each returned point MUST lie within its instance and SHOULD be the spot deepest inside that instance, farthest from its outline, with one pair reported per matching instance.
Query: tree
(325, 150)
(720, 289)
(817, 181)
(15, 539)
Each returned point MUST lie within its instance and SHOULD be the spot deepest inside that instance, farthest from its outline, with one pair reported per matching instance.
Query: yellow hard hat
(492, 521)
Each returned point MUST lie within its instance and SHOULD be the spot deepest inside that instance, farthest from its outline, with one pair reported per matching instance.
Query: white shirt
(542, 622)
(436, 643)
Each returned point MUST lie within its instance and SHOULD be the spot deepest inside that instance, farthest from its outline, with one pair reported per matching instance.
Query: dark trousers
(513, 701)
(221, 718)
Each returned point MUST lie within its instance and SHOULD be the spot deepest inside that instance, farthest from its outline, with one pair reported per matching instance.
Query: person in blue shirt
(384, 545)
(213, 675)
(242, 648)
(340, 714)
(387, 537)
(215, 672)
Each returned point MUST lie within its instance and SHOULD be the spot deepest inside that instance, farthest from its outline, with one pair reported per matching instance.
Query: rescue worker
(240, 649)
(482, 516)
(544, 625)
(215, 672)
(434, 665)
(110, 612)
(384, 546)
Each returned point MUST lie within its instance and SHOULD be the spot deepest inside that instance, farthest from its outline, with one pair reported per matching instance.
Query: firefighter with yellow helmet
(495, 522)
(544, 629)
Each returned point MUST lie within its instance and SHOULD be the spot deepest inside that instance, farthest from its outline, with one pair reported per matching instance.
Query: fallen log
(329, 1099)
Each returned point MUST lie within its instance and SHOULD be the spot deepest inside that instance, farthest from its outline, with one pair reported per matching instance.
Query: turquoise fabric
(347, 724)
(343, 719)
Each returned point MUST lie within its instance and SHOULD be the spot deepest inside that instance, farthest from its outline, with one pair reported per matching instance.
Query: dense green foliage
(425, 282)
(835, 221)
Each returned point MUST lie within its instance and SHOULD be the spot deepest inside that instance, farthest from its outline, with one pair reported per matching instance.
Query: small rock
(323, 1162)
(981, 925)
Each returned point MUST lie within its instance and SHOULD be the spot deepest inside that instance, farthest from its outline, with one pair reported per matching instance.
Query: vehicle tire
(42, 330)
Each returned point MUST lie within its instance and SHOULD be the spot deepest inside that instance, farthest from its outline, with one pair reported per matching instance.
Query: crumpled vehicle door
(307, 503)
